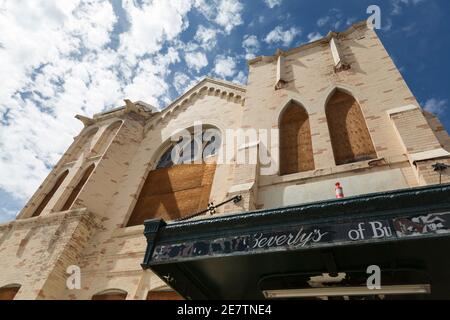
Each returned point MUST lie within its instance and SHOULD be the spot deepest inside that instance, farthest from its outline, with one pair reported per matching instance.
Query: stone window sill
(128, 231)
(360, 165)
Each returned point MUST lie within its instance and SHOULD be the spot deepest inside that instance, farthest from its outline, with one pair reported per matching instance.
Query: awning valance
(231, 256)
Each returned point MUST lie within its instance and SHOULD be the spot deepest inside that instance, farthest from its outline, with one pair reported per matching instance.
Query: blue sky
(61, 58)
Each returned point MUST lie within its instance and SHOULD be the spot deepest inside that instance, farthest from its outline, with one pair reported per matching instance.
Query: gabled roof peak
(207, 80)
(219, 87)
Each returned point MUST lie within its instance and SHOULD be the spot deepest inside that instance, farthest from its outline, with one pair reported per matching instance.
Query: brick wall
(35, 252)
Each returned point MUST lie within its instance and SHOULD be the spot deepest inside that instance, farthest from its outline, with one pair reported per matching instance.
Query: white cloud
(59, 63)
(334, 19)
(99, 18)
(251, 46)
(313, 36)
(151, 24)
(351, 21)
(148, 84)
(229, 15)
(180, 81)
(436, 106)
(225, 13)
(225, 67)
(196, 60)
(337, 25)
(6, 214)
(240, 78)
(278, 35)
(44, 73)
(206, 37)
(183, 82)
(272, 3)
(388, 25)
(65, 58)
(399, 4)
(323, 21)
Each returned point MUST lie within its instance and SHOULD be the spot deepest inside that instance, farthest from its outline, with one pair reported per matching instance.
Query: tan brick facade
(123, 146)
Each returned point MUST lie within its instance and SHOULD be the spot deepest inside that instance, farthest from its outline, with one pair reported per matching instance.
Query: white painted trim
(280, 70)
(335, 52)
(430, 154)
(241, 187)
(409, 107)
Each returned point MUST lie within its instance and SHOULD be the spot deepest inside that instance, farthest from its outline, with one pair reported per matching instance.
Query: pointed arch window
(9, 292)
(50, 194)
(74, 194)
(111, 294)
(163, 295)
(83, 145)
(189, 150)
(296, 152)
(180, 185)
(106, 138)
(349, 135)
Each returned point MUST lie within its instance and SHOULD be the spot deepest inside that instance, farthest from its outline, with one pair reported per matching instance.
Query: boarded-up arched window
(50, 194)
(163, 295)
(9, 292)
(106, 138)
(74, 194)
(178, 189)
(83, 145)
(296, 152)
(350, 137)
(111, 294)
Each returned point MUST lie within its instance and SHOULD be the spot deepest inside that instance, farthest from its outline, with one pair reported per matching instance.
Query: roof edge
(205, 80)
(308, 45)
(153, 110)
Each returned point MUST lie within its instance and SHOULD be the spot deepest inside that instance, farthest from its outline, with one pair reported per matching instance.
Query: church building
(322, 167)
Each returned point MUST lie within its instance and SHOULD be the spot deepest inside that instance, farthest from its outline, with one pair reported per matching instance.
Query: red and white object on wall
(339, 191)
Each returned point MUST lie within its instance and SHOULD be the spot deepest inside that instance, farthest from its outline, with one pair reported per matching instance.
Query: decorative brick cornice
(322, 41)
(208, 86)
(221, 88)
(215, 87)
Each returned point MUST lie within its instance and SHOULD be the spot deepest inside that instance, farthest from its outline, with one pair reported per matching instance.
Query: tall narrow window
(82, 145)
(296, 153)
(178, 187)
(350, 137)
(9, 292)
(50, 194)
(106, 138)
(112, 294)
(74, 194)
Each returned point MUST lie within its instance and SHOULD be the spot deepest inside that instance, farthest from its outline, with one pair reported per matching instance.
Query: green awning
(405, 232)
